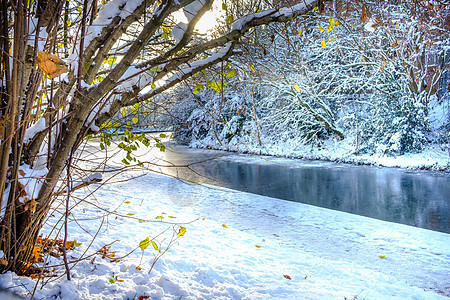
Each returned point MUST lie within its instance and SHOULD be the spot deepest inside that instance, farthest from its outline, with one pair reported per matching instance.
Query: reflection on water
(419, 199)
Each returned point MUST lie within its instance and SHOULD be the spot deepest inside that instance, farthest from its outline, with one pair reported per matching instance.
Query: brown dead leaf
(51, 64)
(3, 262)
(287, 277)
(363, 18)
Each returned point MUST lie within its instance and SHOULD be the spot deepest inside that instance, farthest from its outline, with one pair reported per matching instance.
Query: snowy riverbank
(432, 158)
(268, 249)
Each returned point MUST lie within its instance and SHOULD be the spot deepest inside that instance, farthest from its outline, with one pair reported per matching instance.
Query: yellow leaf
(68, 23)
(315, 8)
(300, 32)
(135, 120)
(324, 44)
(258, 246)
(331, 19)
(130, 214)
(231, 73)
(252, 67)
(204, 219)
(126, 201)
(138, 268)
(337, 23)
(124, 111)
(321, 29)
(144, 243)
(155, 246)
(330, 27)
(224, 226)
(182, 231)
(159, 217)
(297, 88)
(381, 256)
(172, 217)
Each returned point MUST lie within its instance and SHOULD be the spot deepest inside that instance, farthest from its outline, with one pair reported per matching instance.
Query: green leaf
(155, 246)
(112, 281)
(224, 6)
(231, 73)
(162, 135)
(231, 19)
(125, 161)
(102, 146)
(144, 243)
(153, 86)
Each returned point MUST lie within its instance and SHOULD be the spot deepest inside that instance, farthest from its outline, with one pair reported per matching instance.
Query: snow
(185, 17)
(32, 179)
(200, 63)
(33, 130)
(121, 8)
(326, 254)
(369, 26)
(238, 24)
(32, 23)
(178, 31)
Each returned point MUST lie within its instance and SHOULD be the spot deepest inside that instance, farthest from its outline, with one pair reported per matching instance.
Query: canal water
(416, 198)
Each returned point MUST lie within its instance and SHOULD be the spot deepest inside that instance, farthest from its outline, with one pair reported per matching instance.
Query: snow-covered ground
(236, 246)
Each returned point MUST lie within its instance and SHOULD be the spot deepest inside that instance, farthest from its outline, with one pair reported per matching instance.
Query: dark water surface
(415, 198)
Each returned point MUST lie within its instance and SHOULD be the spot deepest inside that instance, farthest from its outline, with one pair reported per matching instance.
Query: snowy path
(327, 254)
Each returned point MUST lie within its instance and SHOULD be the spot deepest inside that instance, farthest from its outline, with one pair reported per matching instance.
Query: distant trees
(67, 67)
(373, 72)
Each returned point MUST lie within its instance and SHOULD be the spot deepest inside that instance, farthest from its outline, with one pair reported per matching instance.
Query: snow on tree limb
(181, 69)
